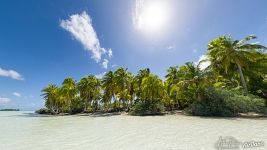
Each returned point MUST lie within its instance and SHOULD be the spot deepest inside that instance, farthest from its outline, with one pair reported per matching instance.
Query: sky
(43, 42)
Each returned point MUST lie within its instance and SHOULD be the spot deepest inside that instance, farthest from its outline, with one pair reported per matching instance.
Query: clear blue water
(25, 130)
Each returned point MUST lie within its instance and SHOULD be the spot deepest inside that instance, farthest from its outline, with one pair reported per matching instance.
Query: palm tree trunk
(85, 108)
(115, 101)
(242, 79)
(170, 107)
(180, 104)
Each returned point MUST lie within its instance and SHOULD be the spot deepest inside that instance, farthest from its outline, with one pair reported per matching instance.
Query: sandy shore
(167, 113)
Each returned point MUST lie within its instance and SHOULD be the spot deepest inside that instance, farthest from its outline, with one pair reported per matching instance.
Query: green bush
(147, 108)
(218, 102)
(245, 104)
(43, 111)
(77, 106)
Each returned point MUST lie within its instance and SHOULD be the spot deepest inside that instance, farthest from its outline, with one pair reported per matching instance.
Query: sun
(151, 15)
(154, 16)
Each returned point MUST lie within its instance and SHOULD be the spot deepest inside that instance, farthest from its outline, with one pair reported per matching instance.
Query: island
(230, 85)
(9, 109)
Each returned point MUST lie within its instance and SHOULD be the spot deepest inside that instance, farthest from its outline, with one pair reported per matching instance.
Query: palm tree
(172, 74)
(225, 51)
(138, 80)
(172, 79)
(131, 89)
(89, 89)
(152, 88)
(123, 85)
(51, 100)
(109, 86)
(69, 91)
(257, 76)
(192, 82)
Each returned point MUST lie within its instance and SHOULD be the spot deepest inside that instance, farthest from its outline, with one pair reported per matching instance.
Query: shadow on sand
(100, 114)
(237, 118)
(97, 114)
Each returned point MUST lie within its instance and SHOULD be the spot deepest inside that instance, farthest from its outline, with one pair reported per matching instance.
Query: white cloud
(4, 100)
(109, 53)
(204, 64)
(17, 94)
(171, 47)
(105, 63)
(11, 74)
(99, 76)
(81, 28)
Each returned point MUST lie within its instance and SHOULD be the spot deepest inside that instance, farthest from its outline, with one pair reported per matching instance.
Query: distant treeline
(9, 110)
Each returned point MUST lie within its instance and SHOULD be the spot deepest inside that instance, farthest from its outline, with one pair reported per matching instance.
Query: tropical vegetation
(234, 82)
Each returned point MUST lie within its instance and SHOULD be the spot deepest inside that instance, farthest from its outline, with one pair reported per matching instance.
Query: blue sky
(43, 42)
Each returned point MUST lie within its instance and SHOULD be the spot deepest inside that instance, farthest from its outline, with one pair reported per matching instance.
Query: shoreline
(250, 115)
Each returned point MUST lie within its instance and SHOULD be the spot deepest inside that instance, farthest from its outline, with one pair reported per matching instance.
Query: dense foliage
(234, 82)
(218, 102)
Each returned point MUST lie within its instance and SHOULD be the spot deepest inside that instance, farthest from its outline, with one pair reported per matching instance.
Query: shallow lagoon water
(25, 130)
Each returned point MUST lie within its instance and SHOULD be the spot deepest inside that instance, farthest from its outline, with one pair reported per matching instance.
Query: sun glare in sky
(151, 15)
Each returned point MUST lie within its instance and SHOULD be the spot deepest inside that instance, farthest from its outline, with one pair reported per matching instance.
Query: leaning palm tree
(225, 51)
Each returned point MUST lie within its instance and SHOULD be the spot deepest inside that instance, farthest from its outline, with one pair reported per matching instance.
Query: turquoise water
(25, 130)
